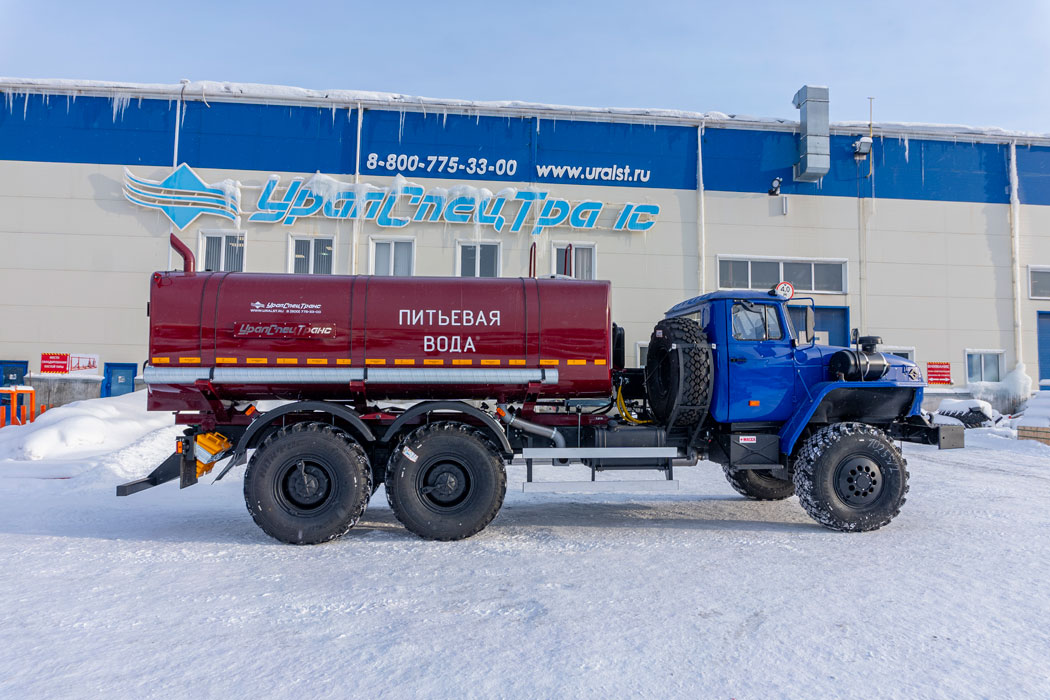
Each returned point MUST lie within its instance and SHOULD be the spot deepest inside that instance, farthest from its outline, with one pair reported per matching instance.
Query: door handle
(738, 360)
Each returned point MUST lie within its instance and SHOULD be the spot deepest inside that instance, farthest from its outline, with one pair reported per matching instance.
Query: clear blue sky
(965, 62)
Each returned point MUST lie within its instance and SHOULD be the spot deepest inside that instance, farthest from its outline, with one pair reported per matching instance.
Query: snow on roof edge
(219, 91)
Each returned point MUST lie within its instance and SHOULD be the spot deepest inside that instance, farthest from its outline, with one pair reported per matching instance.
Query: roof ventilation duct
(814, 148)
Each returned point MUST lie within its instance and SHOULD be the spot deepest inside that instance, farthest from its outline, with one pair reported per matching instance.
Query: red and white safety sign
(938, 372)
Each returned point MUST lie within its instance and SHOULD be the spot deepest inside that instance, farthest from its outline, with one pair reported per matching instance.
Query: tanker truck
(432, 386)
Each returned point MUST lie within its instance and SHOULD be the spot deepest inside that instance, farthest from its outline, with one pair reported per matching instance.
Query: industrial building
(935, 238)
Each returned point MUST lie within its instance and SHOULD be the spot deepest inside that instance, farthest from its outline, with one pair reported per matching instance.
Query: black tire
(851, 477)
(664, 366)
(445, 481)
(758, 484)
(307, 483)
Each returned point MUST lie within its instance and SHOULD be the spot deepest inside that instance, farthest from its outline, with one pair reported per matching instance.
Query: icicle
(25, 107)
(120, 103)
(905, 149)
(401, 126)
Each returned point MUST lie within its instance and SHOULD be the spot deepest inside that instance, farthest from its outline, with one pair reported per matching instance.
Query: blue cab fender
(790, 431)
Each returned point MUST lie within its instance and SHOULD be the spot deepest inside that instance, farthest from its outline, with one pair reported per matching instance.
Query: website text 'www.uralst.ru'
(612, 173)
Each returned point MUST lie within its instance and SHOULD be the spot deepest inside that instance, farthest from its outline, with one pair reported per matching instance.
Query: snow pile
(972, 413)
(1009, 394)
(1037, 413)
(83, 429)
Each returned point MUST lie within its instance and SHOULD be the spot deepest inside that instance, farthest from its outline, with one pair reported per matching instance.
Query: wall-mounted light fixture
(774, 187)
(862, 147)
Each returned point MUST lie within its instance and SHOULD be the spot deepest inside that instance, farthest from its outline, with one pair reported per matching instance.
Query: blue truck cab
(729, 377)
(768, 371)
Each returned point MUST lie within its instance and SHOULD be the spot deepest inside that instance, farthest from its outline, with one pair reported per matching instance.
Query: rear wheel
(307, 483)
(445, 481)
(758, 484)
(678, 372)
(851, 477)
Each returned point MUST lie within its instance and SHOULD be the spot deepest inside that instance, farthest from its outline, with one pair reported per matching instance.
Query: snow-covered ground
(697, 593)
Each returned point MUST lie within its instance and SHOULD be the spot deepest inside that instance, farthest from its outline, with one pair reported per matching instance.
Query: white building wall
(936, 275)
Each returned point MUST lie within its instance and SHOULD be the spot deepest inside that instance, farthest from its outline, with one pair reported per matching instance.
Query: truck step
(632, 486)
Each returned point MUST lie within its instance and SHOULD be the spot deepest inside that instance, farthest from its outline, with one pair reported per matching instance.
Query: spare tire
(678, 372)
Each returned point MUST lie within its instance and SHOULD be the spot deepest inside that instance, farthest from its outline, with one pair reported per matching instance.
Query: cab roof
(689, 306)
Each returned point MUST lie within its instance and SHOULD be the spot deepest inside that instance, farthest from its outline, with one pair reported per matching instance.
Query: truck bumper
(918, 430)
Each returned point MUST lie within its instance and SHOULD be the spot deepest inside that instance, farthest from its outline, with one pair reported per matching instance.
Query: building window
(1039, 282)
(984, 365)
(804, 275)
(582, 259)
(906, 353)
(222, 251)
(393, 257)
(478, 260)
(312, 255)
(641, 353)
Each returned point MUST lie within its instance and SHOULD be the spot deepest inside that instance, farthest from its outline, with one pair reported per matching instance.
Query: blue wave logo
(183, 196)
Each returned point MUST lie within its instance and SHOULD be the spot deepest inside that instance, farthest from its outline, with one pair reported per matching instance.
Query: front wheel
(851, 477)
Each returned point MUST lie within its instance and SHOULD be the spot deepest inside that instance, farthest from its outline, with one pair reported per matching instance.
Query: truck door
(761, 363)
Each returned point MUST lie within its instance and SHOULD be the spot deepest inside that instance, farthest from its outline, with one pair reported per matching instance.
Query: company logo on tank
(184, 196)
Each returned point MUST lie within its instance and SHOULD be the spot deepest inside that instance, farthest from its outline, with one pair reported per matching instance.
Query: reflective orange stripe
(515, 362)
(189, 360)
(256, 360)
(374, 361)
(548, 362)
(599, 362)
(287, 360)
(432, 361)
(225, 360)
(316, 361)
(576, 362)
(404, 362)
(160, 360)
(342, 361)
(490, 362)
(462, 362)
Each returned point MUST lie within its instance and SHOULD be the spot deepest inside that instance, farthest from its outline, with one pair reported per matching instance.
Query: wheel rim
(444, 485)
(859, 481)
(305, 486)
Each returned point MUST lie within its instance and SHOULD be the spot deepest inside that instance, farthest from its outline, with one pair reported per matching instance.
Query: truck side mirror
(811, 324)
(853, 336)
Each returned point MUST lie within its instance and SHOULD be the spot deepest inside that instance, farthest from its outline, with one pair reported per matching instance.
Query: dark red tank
(259, 336)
